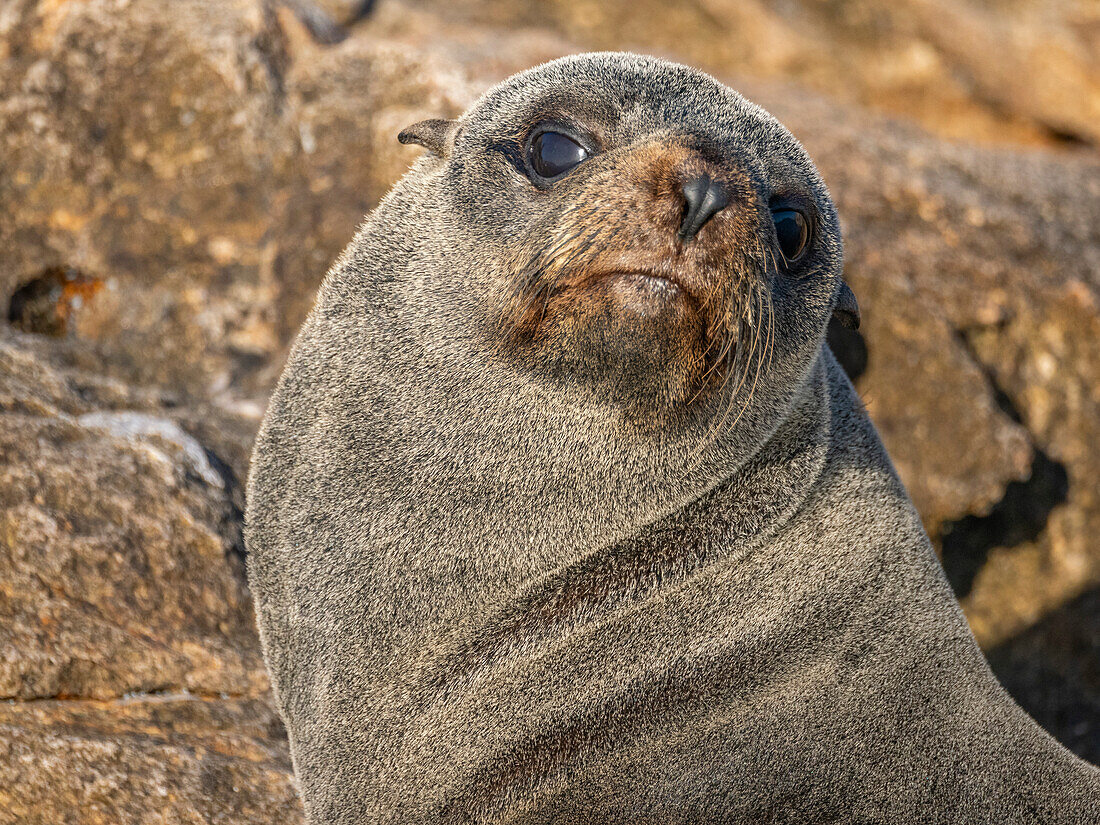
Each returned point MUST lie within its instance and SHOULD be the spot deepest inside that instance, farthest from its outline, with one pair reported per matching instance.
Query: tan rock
(996, 72)
(120, 568)
(202, 165)
(145, 760)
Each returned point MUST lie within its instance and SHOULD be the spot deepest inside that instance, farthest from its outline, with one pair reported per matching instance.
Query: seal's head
(640, 229)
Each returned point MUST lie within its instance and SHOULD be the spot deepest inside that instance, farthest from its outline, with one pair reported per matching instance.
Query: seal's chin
(636, 337)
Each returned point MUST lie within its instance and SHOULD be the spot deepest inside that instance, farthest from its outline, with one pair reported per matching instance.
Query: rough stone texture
(145, 761)
(177, 180)
(199, 166)
(120, 564)
(144, 147)
(120, 579)
(178, 177)
(990, 70)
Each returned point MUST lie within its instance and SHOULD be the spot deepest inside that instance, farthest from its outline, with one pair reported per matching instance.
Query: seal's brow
(568, 108)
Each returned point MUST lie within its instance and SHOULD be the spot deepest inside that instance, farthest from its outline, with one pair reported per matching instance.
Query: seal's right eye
(552, 154)
(793, 231)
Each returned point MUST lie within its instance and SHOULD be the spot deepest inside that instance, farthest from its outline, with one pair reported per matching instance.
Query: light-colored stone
(157, 760)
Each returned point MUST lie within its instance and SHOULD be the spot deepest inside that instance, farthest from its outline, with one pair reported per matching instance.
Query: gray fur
(486, 595)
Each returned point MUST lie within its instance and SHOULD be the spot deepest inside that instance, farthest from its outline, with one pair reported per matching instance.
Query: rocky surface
(121, 569)
(197, 167)
(147, 759)
(131, 684)
(990, 70)
(177, 178)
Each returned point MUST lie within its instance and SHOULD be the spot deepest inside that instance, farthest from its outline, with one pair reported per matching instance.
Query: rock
(144, 147)
(328, 20)
(964, 69)
(128, 654)
(137, 427)
(160, 759)
(199, 167)
(121, 555)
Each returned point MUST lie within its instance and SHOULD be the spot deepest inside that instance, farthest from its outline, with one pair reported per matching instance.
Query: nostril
(704, 198)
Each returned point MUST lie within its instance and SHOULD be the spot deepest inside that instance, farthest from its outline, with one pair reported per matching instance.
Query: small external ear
(437, 136)
(847, 309)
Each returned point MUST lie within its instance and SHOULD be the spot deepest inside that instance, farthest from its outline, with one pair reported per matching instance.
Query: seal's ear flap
(437, 136)
(847, 310)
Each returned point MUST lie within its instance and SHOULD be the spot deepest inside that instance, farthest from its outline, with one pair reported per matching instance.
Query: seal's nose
(704, 198)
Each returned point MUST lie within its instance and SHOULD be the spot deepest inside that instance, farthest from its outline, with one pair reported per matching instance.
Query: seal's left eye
(553, 154)
(793, 232)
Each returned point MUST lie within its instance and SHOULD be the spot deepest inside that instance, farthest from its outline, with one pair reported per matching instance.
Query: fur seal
(563, 512)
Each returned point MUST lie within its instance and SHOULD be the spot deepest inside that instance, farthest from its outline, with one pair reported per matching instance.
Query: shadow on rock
(1053, 671)
(1020, 516)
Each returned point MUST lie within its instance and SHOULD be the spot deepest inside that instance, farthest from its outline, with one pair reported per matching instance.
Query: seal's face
(635, 274)
(656, 235)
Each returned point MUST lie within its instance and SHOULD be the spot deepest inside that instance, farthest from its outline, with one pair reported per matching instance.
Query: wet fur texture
(554, 518)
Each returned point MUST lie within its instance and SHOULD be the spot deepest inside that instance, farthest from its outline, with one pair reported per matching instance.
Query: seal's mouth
(647, 285)
(677, 323)
(651, 280)
(689, 295)
(662, 277)
(638, 295)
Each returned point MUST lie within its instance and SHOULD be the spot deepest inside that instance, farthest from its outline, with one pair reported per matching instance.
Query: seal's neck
(767, 488)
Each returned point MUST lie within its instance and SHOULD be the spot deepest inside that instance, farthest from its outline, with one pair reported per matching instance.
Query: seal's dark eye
(553, 154)
(793, 231)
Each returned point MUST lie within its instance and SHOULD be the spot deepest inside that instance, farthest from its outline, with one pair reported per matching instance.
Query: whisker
(714, 433)
(757, 350)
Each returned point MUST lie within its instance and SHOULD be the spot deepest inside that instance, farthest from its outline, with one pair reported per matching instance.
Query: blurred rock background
(175, 178)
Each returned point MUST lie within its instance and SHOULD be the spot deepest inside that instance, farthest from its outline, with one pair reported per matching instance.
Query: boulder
(122, 558)
(131, 683)
(179, 177)
(988, 71)
(148, 760)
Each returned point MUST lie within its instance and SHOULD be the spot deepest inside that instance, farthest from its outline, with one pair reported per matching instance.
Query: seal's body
(563, 512)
